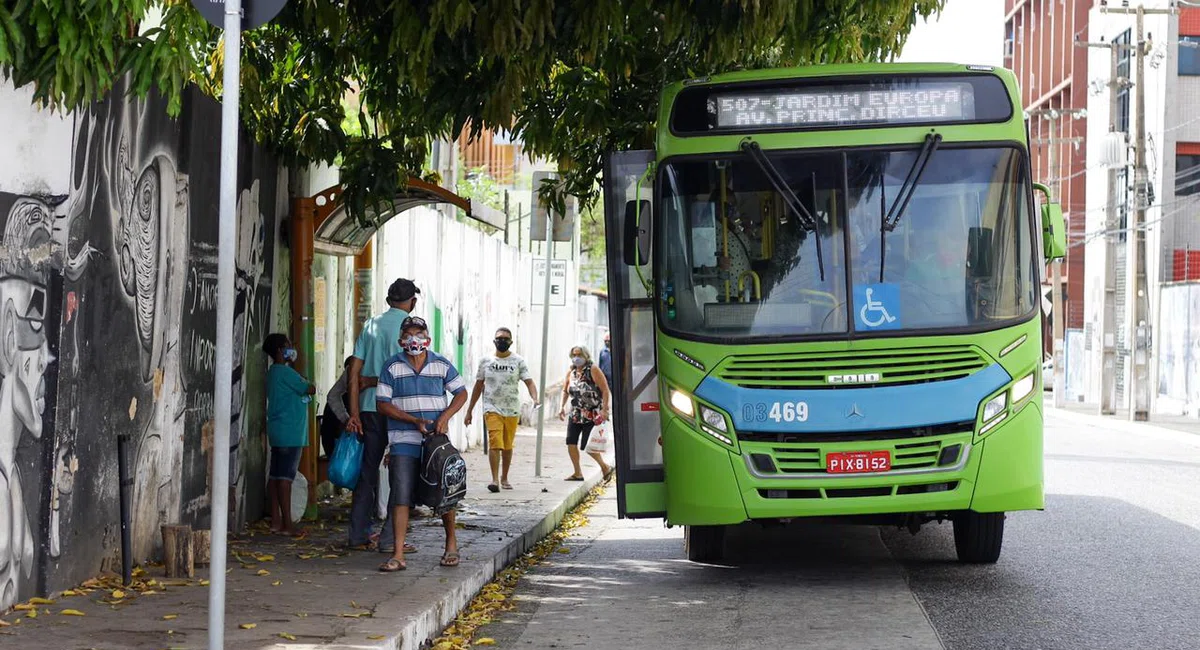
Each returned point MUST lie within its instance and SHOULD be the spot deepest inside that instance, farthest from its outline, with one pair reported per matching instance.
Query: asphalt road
(1111, 563)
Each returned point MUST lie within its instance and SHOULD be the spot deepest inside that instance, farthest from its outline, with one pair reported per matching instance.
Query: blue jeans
(362, 508)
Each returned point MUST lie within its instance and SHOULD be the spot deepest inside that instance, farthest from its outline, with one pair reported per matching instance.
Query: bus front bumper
(710, 484)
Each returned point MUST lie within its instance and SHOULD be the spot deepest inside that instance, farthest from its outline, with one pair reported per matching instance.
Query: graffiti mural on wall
(119, 279)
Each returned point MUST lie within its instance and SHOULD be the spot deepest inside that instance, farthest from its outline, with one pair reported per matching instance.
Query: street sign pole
(226, 245)
(537, 467)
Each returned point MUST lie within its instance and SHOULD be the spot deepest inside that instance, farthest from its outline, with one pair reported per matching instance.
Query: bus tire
(704, 544)
(978, 536)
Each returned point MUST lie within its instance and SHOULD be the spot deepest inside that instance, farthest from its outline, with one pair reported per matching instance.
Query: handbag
(346, 463)
(600, 438)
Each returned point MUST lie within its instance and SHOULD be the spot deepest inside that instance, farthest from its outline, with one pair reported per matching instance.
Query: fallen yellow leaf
(170, 617)
(248, 626)
(276, 583)
(263, 572)
(331, 556)
(70, 592)
(564, 550)
(486, 641)
(377, 637)
(264, 558)
(32, 613)
(203, 583)
(23, 607)
(72, 612)
(287, 636)
(118, 594)
(41, 601)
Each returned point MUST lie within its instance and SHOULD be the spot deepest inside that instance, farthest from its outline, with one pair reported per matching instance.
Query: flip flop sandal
(409, 549)
(393, 565)
(449, 560)
(506, 485)
(492, 487)
(573, 478)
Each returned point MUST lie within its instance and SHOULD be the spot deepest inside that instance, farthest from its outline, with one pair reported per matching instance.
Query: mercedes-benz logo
(854, 412)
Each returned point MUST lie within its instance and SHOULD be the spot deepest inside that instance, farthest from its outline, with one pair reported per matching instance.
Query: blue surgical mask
(290, 354)
(578, 361)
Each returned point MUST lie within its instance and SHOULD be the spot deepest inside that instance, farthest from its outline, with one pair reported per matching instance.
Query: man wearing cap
(378, 343)
(412, 392)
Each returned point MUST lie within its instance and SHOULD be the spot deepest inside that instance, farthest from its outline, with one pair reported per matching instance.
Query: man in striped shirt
(412, 395)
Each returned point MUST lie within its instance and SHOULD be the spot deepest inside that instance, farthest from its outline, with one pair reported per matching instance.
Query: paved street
(1110, 564)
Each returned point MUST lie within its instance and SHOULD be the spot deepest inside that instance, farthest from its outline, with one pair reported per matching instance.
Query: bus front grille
(808, 459)
(851, 369)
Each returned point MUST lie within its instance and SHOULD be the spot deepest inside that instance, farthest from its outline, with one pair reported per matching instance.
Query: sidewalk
(1120, 420)
(312, 592)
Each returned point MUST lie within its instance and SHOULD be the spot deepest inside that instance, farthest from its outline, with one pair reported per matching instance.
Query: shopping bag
(600, 438)
(346, 463)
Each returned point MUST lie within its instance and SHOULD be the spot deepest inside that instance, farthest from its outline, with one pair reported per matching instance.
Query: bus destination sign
(844, 106)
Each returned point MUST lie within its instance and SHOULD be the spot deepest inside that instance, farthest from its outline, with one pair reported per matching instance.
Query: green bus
(824, 293)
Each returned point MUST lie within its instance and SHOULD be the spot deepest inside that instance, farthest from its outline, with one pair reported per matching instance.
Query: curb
(428, 622)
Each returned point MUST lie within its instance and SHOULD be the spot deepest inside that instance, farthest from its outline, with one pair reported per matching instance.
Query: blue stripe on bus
(855, 409)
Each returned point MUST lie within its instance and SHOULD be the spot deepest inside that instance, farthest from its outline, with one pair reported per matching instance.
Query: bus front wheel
(978, 536)
(704, 543)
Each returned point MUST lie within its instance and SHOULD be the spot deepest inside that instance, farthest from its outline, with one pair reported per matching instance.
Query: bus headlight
(682, 403)
(713, 419)
(1022, 388)
(995, 406)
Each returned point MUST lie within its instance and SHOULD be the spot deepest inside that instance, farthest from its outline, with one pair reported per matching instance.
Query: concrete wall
(1177, 383)
(471, 284)
(107, 329)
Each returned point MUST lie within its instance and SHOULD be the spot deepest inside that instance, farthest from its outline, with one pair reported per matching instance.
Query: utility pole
(1108, 317)
(1137, 326)
(1057, 314)
(1137, 373)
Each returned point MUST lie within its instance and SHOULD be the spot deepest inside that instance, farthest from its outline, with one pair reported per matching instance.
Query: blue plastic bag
(346, 463)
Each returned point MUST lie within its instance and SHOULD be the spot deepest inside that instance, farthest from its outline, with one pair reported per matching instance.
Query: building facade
(1171, 226)
(1040, 47)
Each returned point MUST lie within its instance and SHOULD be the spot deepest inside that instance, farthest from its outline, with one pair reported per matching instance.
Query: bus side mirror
(637, 233)
(979, 252)
(1054, 232)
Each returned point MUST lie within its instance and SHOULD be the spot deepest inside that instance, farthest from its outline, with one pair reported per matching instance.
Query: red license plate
(853, 462)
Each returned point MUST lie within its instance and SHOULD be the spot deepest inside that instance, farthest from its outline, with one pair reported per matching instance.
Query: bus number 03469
(778, 412)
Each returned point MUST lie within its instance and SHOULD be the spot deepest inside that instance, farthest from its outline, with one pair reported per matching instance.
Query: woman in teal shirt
(288, 395)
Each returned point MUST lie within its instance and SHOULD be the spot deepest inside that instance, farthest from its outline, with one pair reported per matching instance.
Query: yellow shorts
(502, 431)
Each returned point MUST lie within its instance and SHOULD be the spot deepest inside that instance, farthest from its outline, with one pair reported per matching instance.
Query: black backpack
(443, 482)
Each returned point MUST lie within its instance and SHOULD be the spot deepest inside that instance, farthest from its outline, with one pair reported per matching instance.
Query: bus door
(628, 194)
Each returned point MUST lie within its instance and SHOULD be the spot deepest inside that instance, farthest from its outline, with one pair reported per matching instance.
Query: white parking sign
(558, 282)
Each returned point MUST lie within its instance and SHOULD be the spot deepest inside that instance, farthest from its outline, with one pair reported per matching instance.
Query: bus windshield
(736, 261)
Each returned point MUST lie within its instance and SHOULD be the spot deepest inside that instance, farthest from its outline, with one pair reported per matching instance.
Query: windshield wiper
(889, 221)
(807, 221)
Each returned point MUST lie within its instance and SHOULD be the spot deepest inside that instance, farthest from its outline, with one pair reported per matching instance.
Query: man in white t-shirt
(498, 379)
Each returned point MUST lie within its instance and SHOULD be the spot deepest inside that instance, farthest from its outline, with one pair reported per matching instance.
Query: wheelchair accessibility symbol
(877, 306)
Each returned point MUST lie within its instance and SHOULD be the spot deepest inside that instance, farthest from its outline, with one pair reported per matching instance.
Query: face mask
(578, 361)
(415, 346)
(502, 345)
(290, 354)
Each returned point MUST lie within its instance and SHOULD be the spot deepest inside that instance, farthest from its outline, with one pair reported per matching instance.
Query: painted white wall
(35, 152)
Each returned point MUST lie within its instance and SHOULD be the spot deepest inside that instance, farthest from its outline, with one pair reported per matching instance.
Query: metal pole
(1108, 327)
(226, 245)
(1136, 328)
(1057, 317)
(545, 346)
